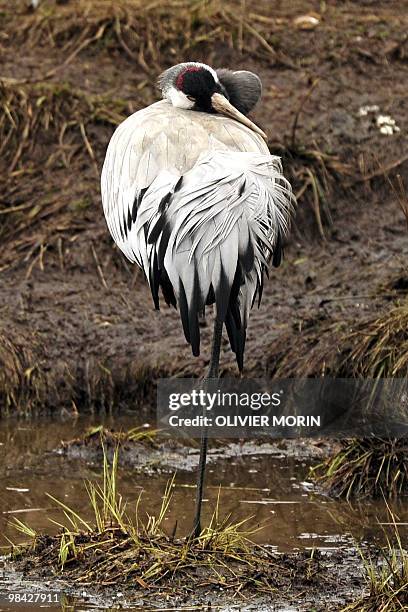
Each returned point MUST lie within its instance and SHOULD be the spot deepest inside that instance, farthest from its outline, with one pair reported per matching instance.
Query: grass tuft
(47, 132)
(22, 381)
(366, 467)
(381, 345)
(375, 347)
(118, 546)
(136, 434)
(313, 173)
(386, 576)
(32, 114)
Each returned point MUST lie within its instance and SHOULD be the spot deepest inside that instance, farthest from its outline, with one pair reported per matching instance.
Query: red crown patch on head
(180, 78)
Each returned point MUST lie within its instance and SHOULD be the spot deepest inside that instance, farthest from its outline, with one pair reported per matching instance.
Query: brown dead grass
(29, 386)
(370, 467)
(22, 380)
(48, 132)
(370, 348)
(381, 345)
(148, 33)
(47, 124)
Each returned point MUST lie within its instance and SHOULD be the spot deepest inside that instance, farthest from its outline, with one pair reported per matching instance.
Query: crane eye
(191, 98)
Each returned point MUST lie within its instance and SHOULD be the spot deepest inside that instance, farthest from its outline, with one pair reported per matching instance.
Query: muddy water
(274, 490)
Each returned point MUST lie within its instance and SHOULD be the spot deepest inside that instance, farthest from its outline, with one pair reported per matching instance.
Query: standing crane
(191, 194)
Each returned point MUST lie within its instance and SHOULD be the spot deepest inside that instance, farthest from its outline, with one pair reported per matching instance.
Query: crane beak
(221, 105)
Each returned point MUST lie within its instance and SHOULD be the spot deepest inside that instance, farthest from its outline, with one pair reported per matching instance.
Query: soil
(291, 582)
(80, 320)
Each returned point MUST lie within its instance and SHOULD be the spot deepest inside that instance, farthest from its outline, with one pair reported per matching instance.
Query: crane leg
(212, 374)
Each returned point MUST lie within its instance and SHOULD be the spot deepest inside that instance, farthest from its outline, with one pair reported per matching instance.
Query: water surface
(274, 491)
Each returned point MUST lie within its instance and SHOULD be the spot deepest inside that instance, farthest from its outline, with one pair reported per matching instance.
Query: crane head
(196, 86)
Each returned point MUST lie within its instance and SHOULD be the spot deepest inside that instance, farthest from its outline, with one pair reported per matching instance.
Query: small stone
(306, 22)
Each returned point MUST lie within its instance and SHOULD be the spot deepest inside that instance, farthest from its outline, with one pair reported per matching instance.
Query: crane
(191, 194)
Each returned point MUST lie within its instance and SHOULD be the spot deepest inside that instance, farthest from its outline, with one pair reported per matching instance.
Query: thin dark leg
(212, 374)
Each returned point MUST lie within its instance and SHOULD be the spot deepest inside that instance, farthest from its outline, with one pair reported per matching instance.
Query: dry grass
(381, 346)
(39, 115)
(370, 348)
(367, 467)
(398, 187)
(28, 386)
(150, 34)
(47, 133)
(111, 439)
(313, 174)
(386, 576)
(311, 349)
(22, 382)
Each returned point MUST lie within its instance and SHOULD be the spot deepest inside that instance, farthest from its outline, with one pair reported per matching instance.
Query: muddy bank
(294, 582)
(165, 454)
(78, 330)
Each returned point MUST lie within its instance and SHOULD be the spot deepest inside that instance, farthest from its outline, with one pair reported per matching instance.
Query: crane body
(192, 195)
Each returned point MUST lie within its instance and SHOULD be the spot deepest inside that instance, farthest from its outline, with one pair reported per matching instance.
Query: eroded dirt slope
(77, 323)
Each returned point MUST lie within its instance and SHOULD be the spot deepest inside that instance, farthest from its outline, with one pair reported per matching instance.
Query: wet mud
(80, 320)
(162, 453)
(310, 586)
(297, 521)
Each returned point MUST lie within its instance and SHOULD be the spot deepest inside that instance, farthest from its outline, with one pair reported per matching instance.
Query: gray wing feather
(199, 214)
